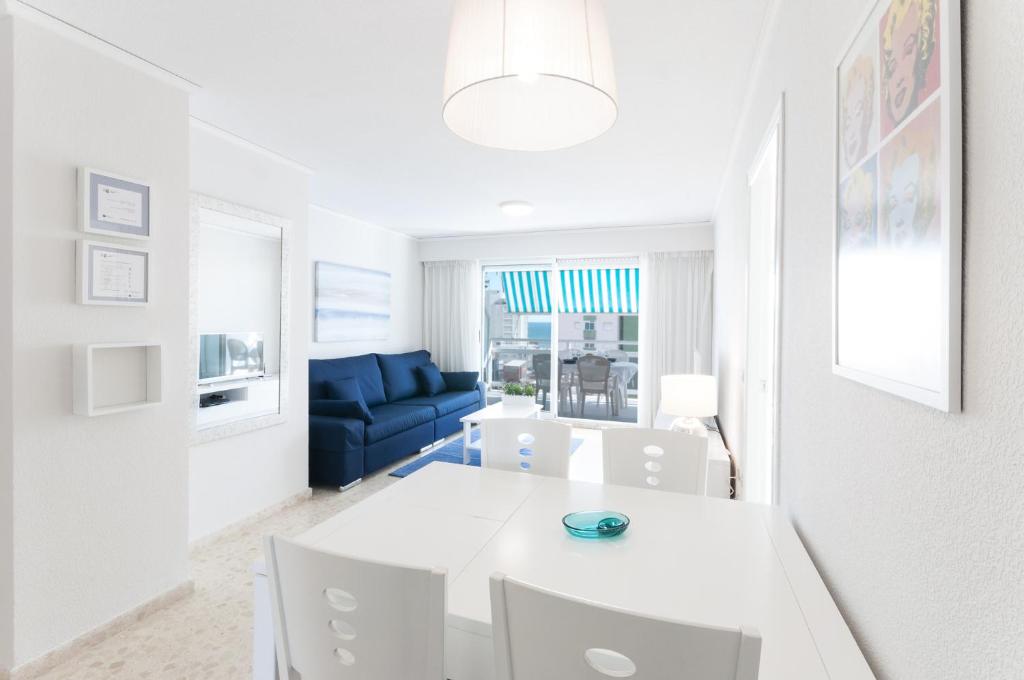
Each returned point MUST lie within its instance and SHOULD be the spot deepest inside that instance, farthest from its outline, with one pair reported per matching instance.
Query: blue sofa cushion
(347, 390)
(339, 408)
(460, 381)
(446, 402)
(399, 373)
(391, 419)
(363, 368)
(336, 434)
(430, 380)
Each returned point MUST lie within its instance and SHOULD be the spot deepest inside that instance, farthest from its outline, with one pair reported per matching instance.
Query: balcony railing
(511, 359)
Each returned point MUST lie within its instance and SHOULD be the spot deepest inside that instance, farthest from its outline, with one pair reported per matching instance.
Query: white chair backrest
(656, 459)
(541, 635)
(540, 447)
(338, 617)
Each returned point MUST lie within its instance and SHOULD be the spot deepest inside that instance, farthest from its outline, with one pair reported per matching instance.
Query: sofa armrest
(482, 389)
(328, 433)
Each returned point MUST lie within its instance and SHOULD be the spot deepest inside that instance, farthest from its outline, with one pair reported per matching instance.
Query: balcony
(609, 383)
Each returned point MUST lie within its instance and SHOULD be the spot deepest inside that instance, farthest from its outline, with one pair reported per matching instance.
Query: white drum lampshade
(690, 397)
(529, 75)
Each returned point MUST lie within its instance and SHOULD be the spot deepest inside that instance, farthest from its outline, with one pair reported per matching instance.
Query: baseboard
(72, 648)
(245, 522)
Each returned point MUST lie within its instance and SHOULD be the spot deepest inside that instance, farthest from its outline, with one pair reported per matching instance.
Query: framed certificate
(113, 205)
(112, 274)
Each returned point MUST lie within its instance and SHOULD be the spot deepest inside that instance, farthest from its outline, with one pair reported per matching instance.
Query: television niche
(230, 356)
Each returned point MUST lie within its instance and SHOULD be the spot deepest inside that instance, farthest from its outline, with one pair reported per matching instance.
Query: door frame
(776, 129)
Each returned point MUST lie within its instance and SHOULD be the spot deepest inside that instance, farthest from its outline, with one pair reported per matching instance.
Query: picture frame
(350, 303)
(113, 205)
(112, 274)
(897, 211)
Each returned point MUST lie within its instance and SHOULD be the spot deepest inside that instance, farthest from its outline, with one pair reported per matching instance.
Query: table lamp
(690, 397)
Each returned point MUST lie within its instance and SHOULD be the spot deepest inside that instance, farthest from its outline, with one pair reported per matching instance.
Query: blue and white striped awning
(583, 291)
(600, 291)
(527, 292)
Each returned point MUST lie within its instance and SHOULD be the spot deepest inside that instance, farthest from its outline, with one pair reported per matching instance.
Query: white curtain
(675, 321)
(451, 314)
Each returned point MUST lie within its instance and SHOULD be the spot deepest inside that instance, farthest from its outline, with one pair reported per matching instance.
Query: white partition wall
(102, 503)
(235, 477)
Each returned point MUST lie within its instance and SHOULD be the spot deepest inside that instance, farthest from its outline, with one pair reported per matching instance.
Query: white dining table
(690, 558)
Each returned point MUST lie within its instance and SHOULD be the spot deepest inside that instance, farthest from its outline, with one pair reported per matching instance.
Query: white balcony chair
(338, 617)
(655, 459)
(540, 447)
(541, 635)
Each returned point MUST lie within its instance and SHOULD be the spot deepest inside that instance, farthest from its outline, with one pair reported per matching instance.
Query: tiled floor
(208, 635)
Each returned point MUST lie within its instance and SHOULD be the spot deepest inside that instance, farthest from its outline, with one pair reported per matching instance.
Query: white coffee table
(494, 411)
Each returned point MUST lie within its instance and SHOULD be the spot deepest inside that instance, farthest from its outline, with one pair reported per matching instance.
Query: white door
(759, 457)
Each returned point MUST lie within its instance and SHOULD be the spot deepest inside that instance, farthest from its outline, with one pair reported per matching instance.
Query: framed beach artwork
(351, 303)
(898, 188)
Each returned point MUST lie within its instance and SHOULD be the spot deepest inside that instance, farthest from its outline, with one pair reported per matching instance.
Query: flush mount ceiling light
(529, 75)
(516, 208)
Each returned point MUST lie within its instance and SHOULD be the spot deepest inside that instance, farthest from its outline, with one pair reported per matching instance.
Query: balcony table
(623, 372)
(692, 558)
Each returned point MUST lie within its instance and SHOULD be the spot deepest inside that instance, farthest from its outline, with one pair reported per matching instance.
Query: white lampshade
(694, 396)
(529, 75)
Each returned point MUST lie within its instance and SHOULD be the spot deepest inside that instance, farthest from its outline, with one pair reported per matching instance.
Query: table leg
(467, 431)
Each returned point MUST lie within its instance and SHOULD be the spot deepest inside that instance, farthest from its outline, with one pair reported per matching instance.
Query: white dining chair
(339, 617)
(540, 447)
(655, 459)
(543, 635)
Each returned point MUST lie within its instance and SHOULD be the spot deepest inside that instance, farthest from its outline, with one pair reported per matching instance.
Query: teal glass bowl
(595, 523)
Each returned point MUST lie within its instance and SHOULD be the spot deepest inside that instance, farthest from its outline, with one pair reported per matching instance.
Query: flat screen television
(230, 356)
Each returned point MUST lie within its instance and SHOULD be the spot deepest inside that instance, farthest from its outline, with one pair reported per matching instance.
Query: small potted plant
(517, 395)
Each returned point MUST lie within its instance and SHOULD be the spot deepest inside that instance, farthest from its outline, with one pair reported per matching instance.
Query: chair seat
(390, 419)
(446, 402)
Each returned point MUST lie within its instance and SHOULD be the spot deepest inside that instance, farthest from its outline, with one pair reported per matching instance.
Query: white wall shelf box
(116, 377)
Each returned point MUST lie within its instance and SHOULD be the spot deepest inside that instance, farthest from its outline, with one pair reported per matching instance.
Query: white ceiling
(352, 89)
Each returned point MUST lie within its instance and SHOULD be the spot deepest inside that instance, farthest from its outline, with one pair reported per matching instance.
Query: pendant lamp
(529, 75)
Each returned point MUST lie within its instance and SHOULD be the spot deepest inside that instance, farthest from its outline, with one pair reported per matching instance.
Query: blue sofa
(342, 449)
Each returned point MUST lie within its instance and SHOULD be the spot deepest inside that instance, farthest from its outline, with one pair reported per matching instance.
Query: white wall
(6, 336)
(100, 504)
(913, 516)
(233, 478)
(571, 243)
(344, 240)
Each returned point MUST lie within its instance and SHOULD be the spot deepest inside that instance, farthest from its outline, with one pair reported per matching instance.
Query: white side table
(491, 412)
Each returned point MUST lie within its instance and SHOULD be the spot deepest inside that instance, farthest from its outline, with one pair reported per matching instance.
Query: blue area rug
(452, 453)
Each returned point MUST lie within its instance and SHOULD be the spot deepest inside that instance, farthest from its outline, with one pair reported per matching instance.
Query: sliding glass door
(517, 329)
(568, 330)
(598, 350)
